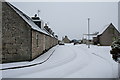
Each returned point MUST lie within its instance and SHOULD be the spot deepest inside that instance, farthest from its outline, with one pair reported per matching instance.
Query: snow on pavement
(70, 61)
(37, 60)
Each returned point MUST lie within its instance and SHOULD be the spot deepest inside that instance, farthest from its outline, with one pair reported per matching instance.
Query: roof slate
(28, 20)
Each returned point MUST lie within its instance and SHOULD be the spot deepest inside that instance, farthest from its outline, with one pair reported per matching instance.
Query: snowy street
(68, 61)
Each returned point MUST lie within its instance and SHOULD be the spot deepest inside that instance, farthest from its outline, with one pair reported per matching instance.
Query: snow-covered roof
(27, 19)
(48, 32)
(36, 20)
(104, 28)
(90, 37)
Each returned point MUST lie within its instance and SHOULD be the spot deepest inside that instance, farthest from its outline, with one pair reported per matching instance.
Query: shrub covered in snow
(115, 50)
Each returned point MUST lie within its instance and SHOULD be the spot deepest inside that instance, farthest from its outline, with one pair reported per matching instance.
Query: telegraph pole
(88, 32)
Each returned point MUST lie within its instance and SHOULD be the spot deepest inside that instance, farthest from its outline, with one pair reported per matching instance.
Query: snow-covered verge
(69, 61)
(37, 60)
(103, 65)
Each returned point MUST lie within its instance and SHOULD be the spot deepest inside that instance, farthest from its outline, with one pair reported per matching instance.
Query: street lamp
(88, 32)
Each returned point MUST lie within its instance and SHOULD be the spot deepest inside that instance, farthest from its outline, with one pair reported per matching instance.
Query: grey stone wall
(66, 40)
(108, 36)
(16, 36)
(19, 41)
(46, 42)
(37, 43)
(0, 32)
(41, 42)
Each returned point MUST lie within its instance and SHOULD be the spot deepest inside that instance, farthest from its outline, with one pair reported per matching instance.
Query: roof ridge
(104, 28)
(27, 19)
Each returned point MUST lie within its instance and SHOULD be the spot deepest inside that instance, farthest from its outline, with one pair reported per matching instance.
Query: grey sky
(70, 18)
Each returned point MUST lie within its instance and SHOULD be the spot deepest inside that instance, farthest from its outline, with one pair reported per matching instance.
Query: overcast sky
(70, 18)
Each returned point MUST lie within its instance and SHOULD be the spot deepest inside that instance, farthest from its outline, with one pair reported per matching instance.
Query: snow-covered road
(68, 61)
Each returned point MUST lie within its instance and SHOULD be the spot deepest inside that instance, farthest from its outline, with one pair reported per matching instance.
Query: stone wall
(37, 43)
(16, 36)
(19, 41)
(66, 40)
(41, 43)
(108, 36)
(46, 42)
(0, 32)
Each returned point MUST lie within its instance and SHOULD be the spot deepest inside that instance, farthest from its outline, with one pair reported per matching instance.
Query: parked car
(61, 43)
(76, 42)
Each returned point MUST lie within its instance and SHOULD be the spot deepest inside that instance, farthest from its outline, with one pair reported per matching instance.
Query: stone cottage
(22, 39)
(66, 39)
(107, 36)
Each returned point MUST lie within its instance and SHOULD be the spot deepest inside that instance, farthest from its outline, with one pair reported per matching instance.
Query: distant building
(22, 39)
(84, 41)
(95, 40)
(107, 36)
(66, 39)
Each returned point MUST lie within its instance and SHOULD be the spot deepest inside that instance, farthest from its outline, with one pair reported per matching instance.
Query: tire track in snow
(101, 58)
(107, 61)
(78, 67)
(59, 64)
(47, 66)
(96, 55)
(63, 70)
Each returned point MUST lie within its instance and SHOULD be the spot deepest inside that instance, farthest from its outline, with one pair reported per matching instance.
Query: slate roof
(106, 26)
(28, 20)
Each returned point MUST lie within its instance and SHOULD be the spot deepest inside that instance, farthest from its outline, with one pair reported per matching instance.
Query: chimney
(42, 24)
(37, 20)
(46, 26)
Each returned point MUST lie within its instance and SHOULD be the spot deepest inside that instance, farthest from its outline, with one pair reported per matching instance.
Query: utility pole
(88, 32)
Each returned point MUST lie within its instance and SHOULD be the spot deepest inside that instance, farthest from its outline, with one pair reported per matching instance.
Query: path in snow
(71, 61)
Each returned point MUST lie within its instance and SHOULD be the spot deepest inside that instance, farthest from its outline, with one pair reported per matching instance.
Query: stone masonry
(16, 36)
(20, 41)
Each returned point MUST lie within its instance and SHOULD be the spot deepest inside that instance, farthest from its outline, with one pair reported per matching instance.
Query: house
(95, 40)
(107, 36)
(22, 38)
(85, 39)
(66, 40)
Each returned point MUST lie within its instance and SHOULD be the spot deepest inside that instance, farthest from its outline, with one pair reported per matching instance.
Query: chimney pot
(35, 15)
